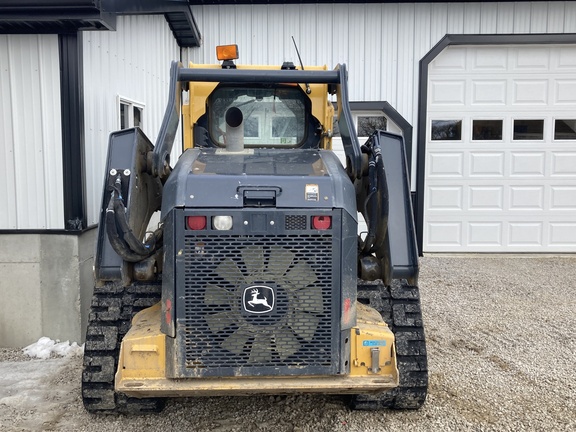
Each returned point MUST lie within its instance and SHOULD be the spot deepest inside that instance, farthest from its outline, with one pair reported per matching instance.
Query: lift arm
(384, 200)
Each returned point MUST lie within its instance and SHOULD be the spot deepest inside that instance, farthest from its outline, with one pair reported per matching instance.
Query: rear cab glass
(274, 116)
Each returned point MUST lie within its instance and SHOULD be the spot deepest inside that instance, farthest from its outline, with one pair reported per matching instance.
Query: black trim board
(72, 113)
(448, 40)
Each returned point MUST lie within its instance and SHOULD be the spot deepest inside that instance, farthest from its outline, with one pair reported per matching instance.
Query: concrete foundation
(46, 283)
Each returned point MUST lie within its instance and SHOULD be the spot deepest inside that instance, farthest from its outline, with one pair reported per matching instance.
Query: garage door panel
(484, 164)
(446, 164)
(491, 92)
(445, 198)
(453, 60)
(485, 234)
(531, 59)
(566, 58)
(523, 164)
(563, 198)
(501, 236)
(564, 164)
(445, 234)
(565, 92)
(489, 59)
(448, 92)
(486, 198)
(525, 234)
(508, 191)
(562, 234)
(533, 92)
(527, 198)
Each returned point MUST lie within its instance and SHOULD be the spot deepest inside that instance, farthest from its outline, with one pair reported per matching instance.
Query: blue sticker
(373, 343)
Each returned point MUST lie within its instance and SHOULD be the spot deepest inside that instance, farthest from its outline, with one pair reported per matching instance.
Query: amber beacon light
(227, 52)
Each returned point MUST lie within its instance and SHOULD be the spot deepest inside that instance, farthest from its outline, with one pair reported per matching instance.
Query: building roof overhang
(66, 16)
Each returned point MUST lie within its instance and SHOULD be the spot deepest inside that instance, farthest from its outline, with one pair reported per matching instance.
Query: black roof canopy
(60, 16)
(66, 16)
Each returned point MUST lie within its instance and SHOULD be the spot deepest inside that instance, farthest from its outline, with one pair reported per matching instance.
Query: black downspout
(72, 110)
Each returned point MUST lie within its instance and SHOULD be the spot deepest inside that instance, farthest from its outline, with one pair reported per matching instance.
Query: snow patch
(46, 346)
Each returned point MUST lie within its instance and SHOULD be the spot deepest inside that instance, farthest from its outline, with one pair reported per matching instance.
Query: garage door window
(446, 130)
(486, 130)
(565, 129)
(528, 130)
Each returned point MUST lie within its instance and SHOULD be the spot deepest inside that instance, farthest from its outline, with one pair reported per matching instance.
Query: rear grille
(257, 303)
(295, 222)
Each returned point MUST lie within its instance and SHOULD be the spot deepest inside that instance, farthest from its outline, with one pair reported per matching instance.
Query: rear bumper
(163, 387)
(142, 373)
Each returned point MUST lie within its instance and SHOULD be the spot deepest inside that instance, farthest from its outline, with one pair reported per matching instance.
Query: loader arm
(384, 200)
(130, 196)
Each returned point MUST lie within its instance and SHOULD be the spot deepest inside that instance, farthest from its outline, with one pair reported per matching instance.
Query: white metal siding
(501, 195)
(132, 62)
(382, 44)
(30, 133)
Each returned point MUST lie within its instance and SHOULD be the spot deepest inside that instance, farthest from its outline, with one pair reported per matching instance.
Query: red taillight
(321, 222)
(196, 222)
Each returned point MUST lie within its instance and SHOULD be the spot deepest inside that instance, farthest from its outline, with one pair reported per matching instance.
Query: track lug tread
(399, 305)
(113, 307)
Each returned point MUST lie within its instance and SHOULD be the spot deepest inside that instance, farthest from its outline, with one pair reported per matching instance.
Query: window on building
(565, 129)
(130, 113)
(366, 123)
(446, 130)
(528, 130)
(486, 130)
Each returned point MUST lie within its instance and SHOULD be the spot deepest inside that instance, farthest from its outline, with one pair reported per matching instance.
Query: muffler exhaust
(234, 130)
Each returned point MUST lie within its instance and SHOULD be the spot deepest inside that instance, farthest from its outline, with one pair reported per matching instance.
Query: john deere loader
(255, 280)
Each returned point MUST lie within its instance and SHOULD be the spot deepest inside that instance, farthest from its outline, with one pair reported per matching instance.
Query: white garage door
(501, 150)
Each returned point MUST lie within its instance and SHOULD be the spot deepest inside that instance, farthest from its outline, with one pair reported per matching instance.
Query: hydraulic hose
(121, 236)
(133, 242)
(376, 203)
(383, 205)
(370, 207)
(117, 243)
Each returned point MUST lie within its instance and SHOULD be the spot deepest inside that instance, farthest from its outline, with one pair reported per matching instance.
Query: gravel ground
(501, 340)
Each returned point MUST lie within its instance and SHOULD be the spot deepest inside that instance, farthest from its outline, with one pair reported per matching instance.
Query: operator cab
(264, 115)
(273, 116)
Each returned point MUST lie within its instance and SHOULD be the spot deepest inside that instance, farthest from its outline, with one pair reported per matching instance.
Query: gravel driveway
(502, 348)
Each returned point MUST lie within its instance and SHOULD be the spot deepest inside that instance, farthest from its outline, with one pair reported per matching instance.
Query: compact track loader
(255, 280)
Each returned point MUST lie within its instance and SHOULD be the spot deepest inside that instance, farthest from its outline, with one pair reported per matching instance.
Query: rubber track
(399, 305)
(112, 309)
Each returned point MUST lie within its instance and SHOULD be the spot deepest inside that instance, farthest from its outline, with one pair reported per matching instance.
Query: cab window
(272, 117)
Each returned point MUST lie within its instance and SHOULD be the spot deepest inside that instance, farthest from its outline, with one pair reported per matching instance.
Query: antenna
(308, 90)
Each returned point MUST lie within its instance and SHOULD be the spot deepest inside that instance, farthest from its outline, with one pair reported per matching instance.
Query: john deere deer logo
(258, 299)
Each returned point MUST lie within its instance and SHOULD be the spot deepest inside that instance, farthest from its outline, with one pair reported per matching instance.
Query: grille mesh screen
(257, 301)
(296, 222)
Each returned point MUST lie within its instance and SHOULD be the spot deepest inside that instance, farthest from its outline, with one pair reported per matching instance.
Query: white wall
(31, 189)
(134, 63)
(381, 44)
